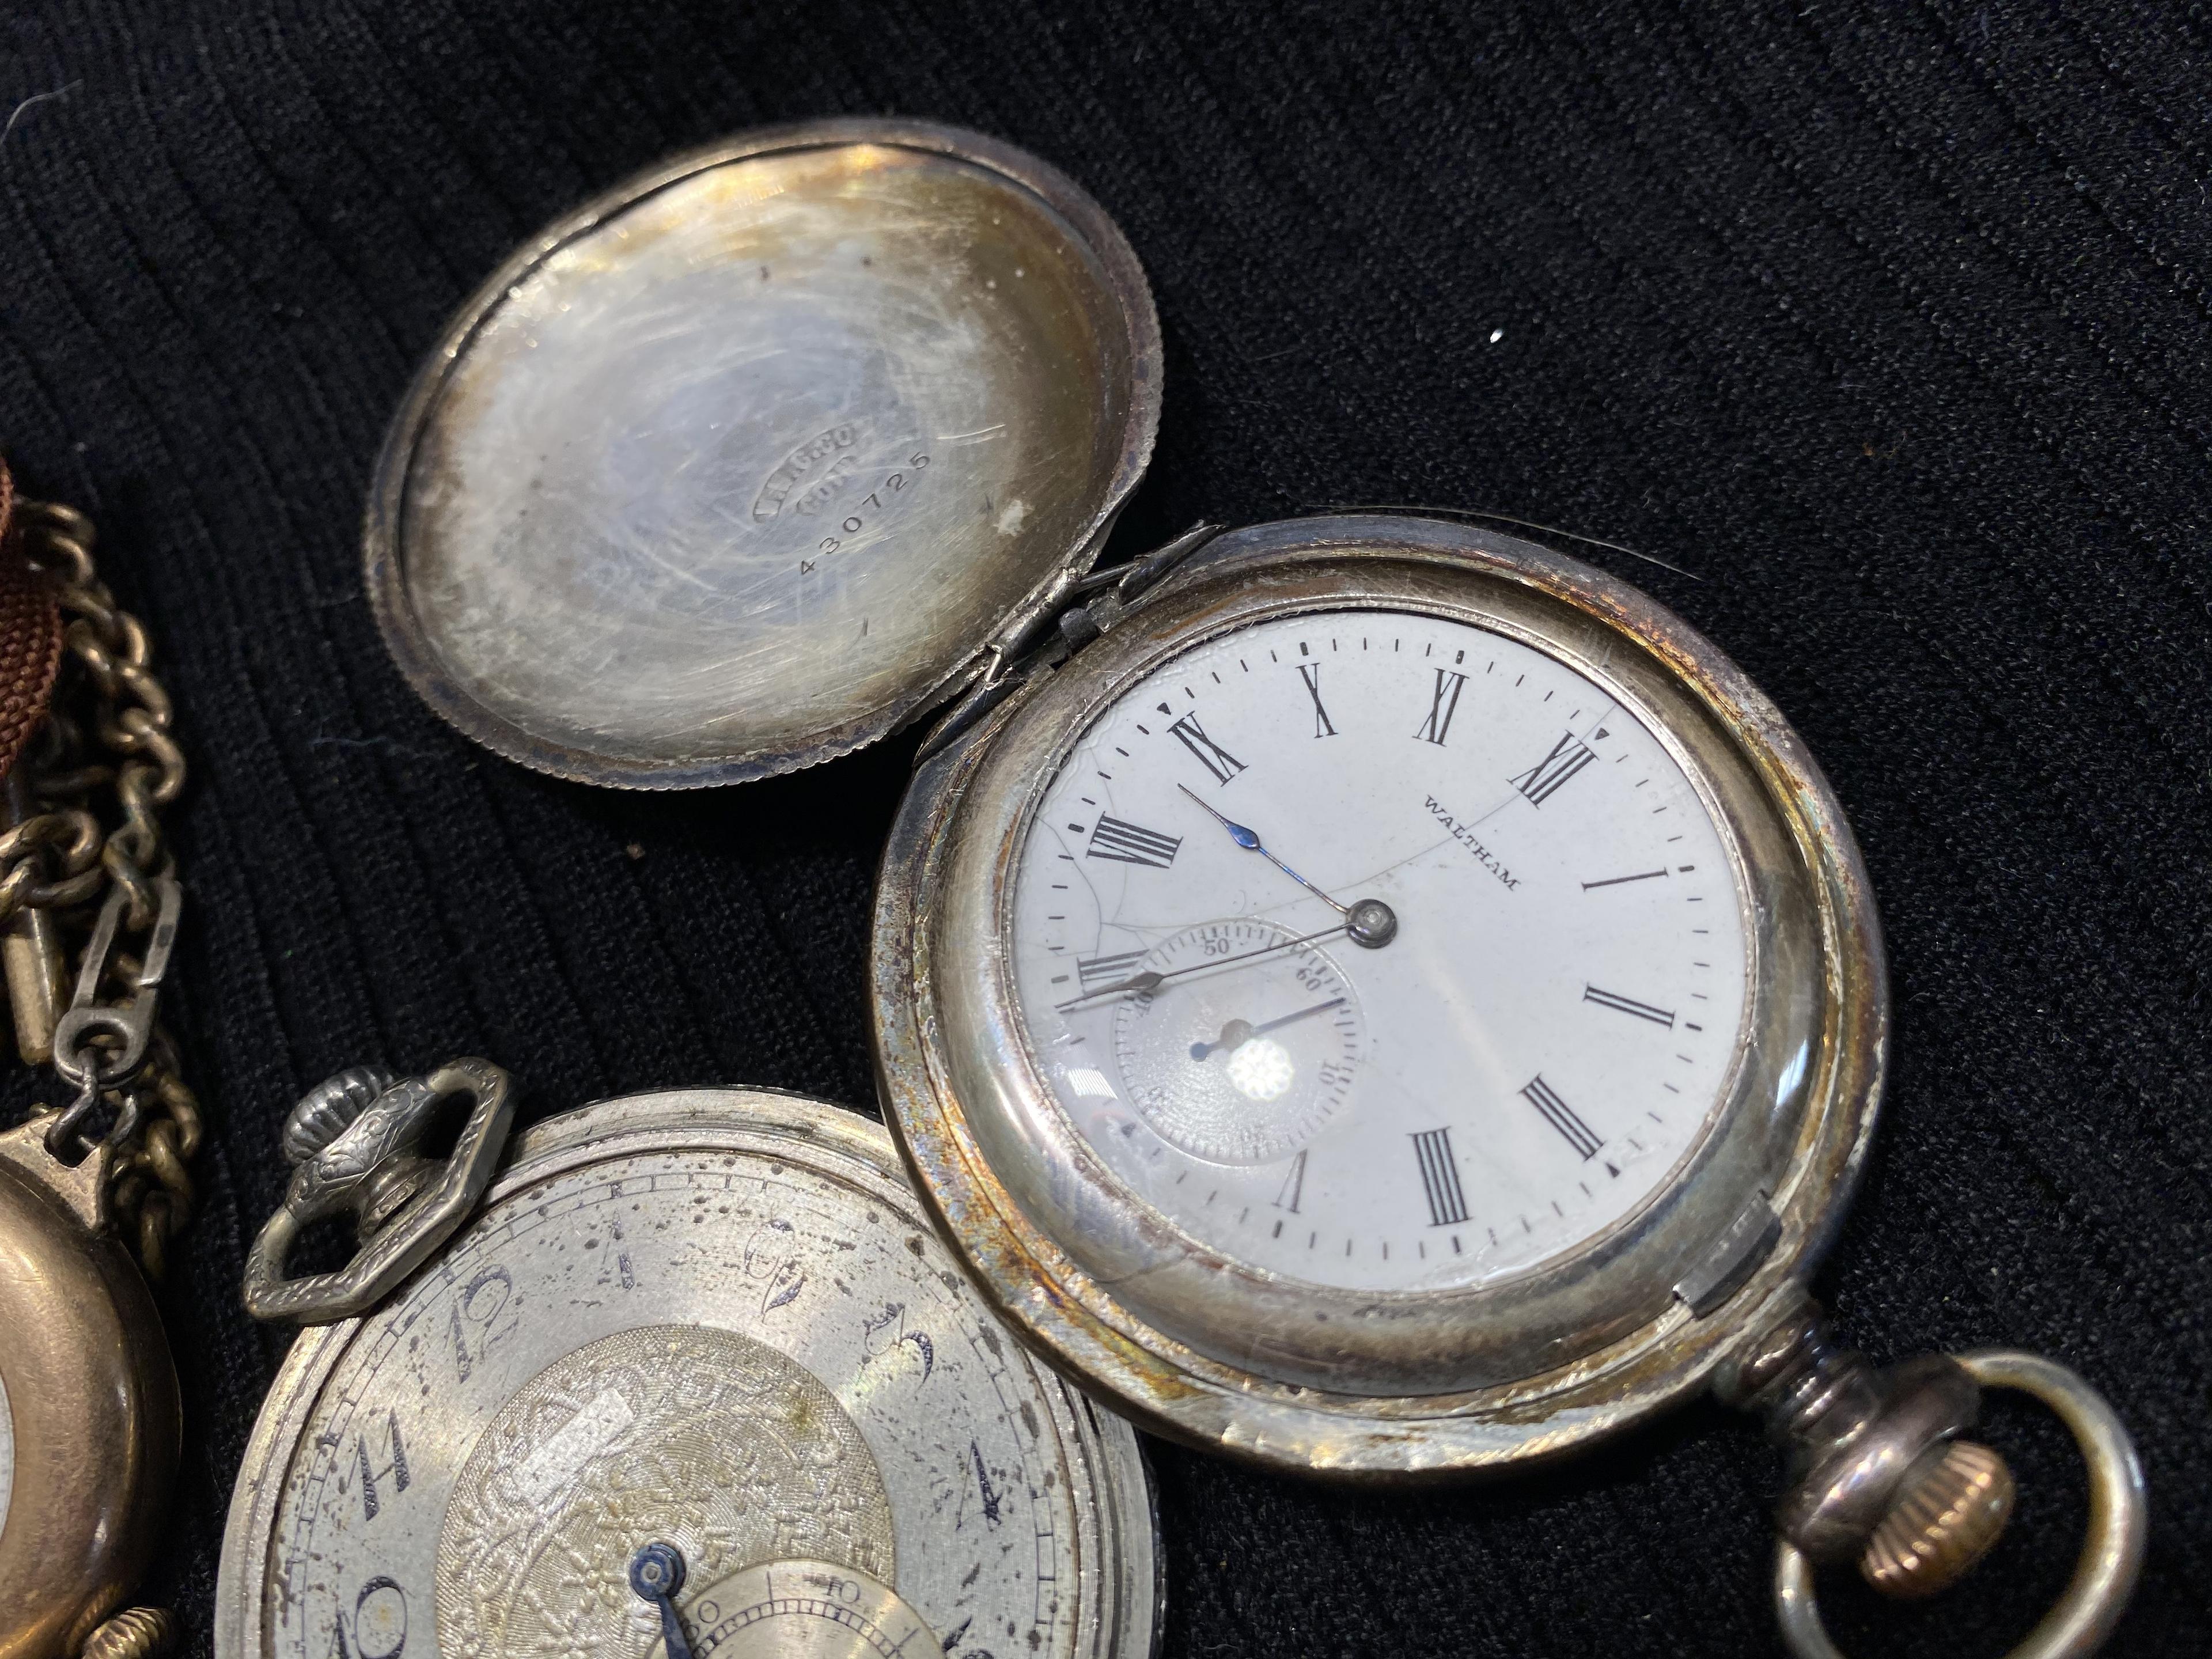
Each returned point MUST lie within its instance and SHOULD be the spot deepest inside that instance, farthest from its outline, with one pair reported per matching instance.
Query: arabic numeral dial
(670, 1352)
(1381, 950)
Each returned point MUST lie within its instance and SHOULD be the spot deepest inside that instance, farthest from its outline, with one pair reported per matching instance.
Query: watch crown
(1944, 1522)
(329, 1109)
(138, 1633)
(354, 1142)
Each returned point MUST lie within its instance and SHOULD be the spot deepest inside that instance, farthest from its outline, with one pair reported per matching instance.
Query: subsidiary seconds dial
(1244, 1048)
(1381, 950)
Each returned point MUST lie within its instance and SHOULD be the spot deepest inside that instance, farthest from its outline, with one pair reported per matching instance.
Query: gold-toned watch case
(92, 1393)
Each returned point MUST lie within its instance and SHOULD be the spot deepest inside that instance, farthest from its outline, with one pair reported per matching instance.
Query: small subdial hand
(1369, 922)
(1238, 1032)
(1151, 981)
(656, 1573)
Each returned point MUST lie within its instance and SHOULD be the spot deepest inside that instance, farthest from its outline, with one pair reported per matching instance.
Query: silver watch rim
(965, 1101)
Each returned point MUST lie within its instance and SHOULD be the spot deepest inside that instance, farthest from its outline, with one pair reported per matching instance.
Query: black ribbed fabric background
(1888, 323)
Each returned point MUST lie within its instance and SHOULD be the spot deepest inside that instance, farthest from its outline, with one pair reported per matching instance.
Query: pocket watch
(89, 1415)
(90, 1191)
(1398, 1003)
(1367, 995)
(683, 1372)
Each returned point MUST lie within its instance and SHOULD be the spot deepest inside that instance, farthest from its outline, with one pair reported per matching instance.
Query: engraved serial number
(868, 508)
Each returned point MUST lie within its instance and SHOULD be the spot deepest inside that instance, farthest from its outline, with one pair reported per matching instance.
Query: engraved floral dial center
(711, 1441)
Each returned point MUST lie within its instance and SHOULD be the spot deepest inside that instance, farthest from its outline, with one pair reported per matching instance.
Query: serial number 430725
(869, 508)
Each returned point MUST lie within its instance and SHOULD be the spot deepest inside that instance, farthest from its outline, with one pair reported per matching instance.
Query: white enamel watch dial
(1540, 1040)
(714, 1320)
(1394, 1001)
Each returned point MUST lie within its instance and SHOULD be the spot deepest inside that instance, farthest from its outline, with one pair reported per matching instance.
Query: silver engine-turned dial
(713, 1321)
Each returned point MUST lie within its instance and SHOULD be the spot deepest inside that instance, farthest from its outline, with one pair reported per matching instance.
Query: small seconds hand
(1238, 1032)
(1152, 980)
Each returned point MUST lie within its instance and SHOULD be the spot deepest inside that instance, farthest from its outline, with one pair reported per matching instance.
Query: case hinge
(1097, 603)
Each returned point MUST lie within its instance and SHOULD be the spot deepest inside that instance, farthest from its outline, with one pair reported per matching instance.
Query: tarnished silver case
(1115, 1582)
(763, 453)
(1356, 1383)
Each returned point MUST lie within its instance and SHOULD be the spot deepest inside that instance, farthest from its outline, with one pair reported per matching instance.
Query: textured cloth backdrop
(1887, 324)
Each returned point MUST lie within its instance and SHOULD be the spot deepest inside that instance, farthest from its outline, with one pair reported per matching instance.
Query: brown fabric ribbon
(30, 633)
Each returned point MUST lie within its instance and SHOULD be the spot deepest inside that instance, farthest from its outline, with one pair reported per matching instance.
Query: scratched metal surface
(714, 1317)
(757, 458)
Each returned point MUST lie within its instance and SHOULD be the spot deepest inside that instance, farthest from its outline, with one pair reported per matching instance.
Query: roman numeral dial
(1309, 672)
(1209, 754)
(1519, 1067)
(1094, 972)
(1444, 704)
(1550, 775)
(1561, 1116)
(1123, 842)
(1622, 1005)
(1432, 1153)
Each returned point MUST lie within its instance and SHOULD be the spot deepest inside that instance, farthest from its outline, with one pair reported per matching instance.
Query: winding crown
(329, 1109)
(1943, 1522)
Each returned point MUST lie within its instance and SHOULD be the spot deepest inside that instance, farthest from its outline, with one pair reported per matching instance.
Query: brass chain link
(99, 772)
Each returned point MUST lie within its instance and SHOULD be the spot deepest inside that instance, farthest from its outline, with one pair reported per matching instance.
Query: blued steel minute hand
(1249, 841)
(1367, 921)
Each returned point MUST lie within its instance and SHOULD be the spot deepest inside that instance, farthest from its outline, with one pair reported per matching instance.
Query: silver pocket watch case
(1355, 1383)
(759, 455)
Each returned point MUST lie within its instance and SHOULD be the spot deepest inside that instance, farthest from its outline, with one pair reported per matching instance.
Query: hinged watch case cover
(778, 446)
(763, 453)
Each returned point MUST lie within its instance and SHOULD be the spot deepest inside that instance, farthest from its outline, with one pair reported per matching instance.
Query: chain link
(105, 756)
